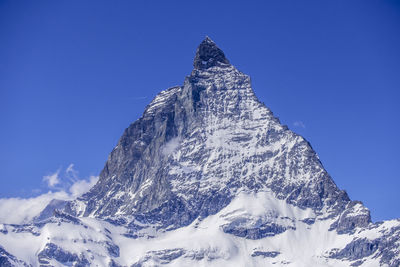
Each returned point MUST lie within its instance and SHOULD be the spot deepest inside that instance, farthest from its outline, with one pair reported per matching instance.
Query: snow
(161, 98)
(232, 141)
(305, 246)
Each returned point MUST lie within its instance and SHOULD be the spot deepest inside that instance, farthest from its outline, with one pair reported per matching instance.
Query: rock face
(197, 145)
(52, 251)
(49, 210)
(355, 215)
(209, 55)
(207, 176)
(8, 260)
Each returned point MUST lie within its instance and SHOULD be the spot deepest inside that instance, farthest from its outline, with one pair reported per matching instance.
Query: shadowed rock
(209, 55)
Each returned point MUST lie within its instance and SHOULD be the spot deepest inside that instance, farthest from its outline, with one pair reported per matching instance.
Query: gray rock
(254, 229)
(113, 250)
(355, 215)
(265, 254)
(48, 211)
(160, 257)
(209, 55)
(169, 167)
(9, 260)
(114, 264)
(357, 249)
(52, 251)
(26, 228)
(385, 248)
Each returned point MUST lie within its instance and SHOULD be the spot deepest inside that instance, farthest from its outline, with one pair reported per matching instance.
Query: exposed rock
(358, 248)
(386, 247)
(265, 254)
(49, 209)
(198, 144)
(159, 257)
(209, 55)
(355, 215)
(8, 260)
(254, 229)
(52, 251)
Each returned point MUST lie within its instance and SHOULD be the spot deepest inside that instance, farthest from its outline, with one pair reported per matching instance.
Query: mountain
(207, 176)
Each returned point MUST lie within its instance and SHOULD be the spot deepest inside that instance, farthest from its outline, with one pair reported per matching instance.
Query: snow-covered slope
(231, 237)
(207, 177)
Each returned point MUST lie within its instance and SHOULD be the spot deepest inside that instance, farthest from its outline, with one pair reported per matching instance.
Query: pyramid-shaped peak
(208, 40)
(208, 55)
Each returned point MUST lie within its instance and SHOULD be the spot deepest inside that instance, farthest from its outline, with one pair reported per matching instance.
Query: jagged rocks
(159, 257)
(256, 231)
(355, 215)
(49, 210)
(359, 248)
(209, 55)
(257, 227)
(53, 252)
(385, 247)
(208, 176)
(199, 144)
(265, 254)
(8, 260)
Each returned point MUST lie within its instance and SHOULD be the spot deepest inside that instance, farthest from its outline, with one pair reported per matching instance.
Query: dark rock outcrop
(209, 55)
(265, 254)
(355, 215)
(53, 252)
(8, 260)
(385, 247)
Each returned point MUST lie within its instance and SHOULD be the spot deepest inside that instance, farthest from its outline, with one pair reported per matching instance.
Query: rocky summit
(208, 176)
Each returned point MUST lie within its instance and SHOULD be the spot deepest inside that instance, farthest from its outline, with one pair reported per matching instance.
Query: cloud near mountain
(17, 210)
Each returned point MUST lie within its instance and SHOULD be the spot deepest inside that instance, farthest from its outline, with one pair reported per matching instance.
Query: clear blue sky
(75, 74)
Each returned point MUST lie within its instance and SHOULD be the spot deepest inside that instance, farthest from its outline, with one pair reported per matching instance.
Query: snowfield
(202, 243)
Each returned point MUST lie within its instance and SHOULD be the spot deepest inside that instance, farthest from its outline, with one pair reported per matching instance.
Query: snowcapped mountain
(207, 177)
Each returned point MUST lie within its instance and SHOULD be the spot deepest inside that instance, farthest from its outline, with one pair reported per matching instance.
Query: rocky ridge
(207, 160)
(197, 145)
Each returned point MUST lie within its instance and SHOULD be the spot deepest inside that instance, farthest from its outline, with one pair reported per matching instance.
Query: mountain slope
(197, 145)
(208, 176)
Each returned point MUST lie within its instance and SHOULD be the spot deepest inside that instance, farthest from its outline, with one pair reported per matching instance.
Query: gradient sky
(75, 74)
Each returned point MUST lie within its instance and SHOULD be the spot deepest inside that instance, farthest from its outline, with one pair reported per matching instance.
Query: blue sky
(75, 74)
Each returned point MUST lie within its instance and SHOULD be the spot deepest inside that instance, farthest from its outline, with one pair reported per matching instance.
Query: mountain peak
(206, 177)
(208, 55)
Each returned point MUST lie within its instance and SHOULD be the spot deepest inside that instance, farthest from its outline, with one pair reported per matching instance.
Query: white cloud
(70, 168)
(52, 179)
(71, 173)
(171, 146)
(299, 124)
(22, 210)
(82, 186)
